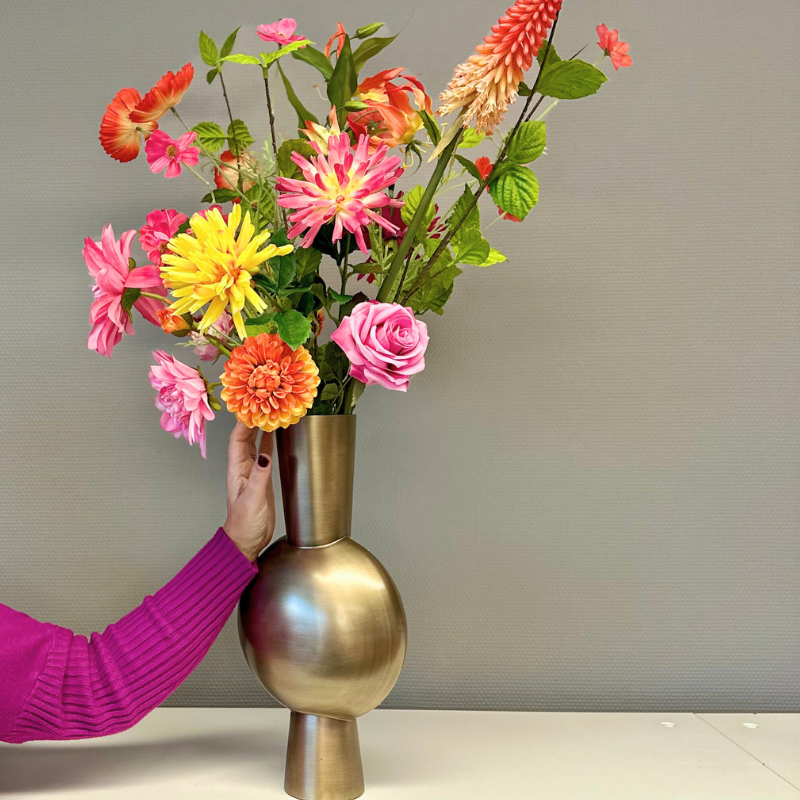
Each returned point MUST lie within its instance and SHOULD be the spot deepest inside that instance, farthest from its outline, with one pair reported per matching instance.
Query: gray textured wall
(590, 498)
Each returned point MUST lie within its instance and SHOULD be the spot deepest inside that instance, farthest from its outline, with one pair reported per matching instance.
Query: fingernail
(263, 461)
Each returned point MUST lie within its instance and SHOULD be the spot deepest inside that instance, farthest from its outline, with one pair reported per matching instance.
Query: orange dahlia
(486, 84)
(267, 384)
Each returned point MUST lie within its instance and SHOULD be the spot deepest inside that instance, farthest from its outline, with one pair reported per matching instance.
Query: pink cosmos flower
(206, 351)
(183, 397)
(385, 343)
(280, 32)
(164, 151)
(108, 263)
(611, 45)
(344, 187)
(161, 225)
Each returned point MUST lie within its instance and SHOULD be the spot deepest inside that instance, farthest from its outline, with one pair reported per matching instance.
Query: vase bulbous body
(322, 625)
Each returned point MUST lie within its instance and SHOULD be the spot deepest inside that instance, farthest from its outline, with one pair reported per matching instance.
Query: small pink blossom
(385, 343)
(183, 397)
(164, 151)
(108, 262)
(161, 225)
(280, 32)
(609, 43)
(204, 350)
(204, 212)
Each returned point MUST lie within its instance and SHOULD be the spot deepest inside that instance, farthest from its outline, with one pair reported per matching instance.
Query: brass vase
(322, 625)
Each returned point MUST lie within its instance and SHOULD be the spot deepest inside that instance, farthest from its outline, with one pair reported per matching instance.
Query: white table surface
(429, 755)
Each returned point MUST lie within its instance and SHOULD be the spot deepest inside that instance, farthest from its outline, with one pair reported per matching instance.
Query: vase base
(323, 759)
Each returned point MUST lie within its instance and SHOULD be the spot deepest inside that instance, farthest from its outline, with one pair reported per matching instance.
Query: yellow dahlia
(267, 384)
(215, 267)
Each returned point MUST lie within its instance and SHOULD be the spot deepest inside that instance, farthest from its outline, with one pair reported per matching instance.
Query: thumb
(260, 476)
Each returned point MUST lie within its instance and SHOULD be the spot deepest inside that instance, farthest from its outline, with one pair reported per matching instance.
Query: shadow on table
(249, 756)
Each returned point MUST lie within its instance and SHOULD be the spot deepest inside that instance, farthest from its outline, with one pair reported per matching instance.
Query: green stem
(217, 343)
(156, 297)
(347, 402)
(236, 147)
(272, 133)
(419, 216)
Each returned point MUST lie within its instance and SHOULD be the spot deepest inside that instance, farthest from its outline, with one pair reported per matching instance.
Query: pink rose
(385, 343)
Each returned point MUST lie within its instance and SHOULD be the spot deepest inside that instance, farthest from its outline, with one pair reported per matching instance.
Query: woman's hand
(251, 499)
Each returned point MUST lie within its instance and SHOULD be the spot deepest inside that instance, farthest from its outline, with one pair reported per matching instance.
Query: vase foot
(323, 759)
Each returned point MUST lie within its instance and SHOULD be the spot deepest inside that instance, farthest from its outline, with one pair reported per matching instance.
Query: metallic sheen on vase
(322, 625)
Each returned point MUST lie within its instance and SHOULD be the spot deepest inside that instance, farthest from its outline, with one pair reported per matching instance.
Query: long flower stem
(413, 228)
(218, 344)
(485, 183)
(236, 147)
(153, 296)
(272, 133)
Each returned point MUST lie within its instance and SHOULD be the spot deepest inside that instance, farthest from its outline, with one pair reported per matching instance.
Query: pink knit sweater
(56, 685)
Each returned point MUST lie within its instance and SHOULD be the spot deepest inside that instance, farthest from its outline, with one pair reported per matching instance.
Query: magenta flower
(385, 343)
(183, 397)
(161, 225)
(344, 187)
(109, 265)
(164, 151)
(280, 32)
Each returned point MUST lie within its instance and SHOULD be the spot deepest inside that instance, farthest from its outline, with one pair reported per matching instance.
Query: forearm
(106, 684)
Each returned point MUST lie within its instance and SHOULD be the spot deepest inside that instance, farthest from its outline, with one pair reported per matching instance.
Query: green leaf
(210, 135)
(570, 80)
(413, 199)
(465, 207)
(293, 328)
(524, 89)
(344, 80)
(471, 138)
(495, 257)
(516, 191)
(529, 142)
(208, 50)
(212, 73)
(358, 390)
(317, 60)
(431, 126)
(286, 166)
(436, 292)
(284, 268)
(242, 58)
(552, 56)
(263, 324)
(220, 196)
(303, 114)
(308, 261)
(330, 391)
(129, 297)
(470, 247)
(271, 58)
(369, 49)
(239, 138)
(341, 298)
(227, 48)
(368, 268)
(333, 363)
(368, 30)
(470, 167)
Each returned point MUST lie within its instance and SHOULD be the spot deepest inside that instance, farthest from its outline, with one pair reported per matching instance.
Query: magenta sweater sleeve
(56, 685)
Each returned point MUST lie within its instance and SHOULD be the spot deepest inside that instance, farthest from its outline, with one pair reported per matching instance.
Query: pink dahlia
(164, 151)
(183, 397)
(280, 32)
(344, 187)
(160, 226)
(109, 264)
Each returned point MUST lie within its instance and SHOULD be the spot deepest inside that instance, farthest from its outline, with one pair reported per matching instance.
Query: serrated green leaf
(552, 56)
(366, 31)
(516, 191)
(211, 74)
(208, 50)
(242, 58)
(433, 295)
(330, 391)
(412, 201)
(286, 166)
(271, 58)
(465, 209)
(369, 49)
(316, 59)
(341, 298)
(528, 143)
(293, 328)
(471, 138)
(470, 167)
(470, 247)
(336, 363)
(570, 80)
(227, 47)
(303, 114)
(263, 324)
(220, 196)
(431, 126)
(210, 135)
(524, 90)
(308, 261)
(495, 257)
(239, 138)
(284, 268)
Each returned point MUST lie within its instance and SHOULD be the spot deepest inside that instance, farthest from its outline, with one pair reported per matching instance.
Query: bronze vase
(322, 625)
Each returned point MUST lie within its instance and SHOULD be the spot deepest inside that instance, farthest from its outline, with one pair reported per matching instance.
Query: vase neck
(316, 458)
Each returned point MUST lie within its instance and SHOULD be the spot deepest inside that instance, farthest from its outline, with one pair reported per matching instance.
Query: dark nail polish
(263, 461)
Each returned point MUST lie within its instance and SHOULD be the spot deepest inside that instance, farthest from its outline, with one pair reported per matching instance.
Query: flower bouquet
(327, 229)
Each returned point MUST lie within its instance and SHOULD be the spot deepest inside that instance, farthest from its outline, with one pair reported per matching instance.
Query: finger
(241, 452)
(267, 445)
(260, 476)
